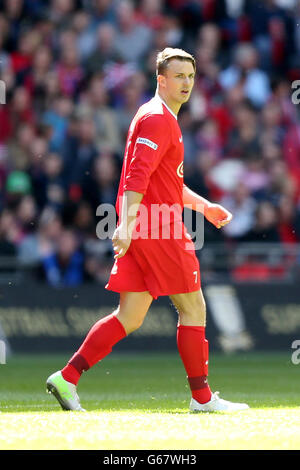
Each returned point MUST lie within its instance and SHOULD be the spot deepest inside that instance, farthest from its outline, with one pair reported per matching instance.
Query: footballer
(147, 263)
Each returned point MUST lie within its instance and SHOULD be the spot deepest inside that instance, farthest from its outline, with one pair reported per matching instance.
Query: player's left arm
(214, 213)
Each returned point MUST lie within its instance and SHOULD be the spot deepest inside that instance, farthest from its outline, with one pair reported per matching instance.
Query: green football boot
(64, 392)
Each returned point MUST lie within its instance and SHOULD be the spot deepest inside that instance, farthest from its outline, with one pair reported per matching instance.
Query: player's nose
(187, 82)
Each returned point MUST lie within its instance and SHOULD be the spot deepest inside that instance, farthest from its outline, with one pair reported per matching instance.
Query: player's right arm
(123, 234)
(151, 143)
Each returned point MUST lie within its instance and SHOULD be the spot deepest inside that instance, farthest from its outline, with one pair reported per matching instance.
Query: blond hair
(170, 53)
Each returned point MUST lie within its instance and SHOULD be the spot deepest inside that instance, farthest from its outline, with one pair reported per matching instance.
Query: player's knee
(193, 311)
(130, 322)
(135, 323)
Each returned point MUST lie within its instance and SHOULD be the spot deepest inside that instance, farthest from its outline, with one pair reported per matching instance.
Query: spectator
(281, 94)
(134, 95)
(272, 122)
(149, 70)
(207, 87)
(289, 221)
(21, 108)
(35, 79)
(104, 51)
(272, 31)
(14, 12)
(291, 147)
(4, 57)
(69, 70)
(265, 226)
(242, 205)
(150, 13)
(65, 267)
(271, 152)
(38, 150)
(22, 57)
(255, 176)
(83, 221)
(190, 147)
(17, 184)
(7, 234)
(103, 11)
(18, 148)
(41, 243)
(208, 138)
(57, 119)
(95, 106)
(49, 185)
(280, 182)
(85, 41)
(61, 13)
(79, 153)
(26, 214)
(132, 39)
(75, 73)
(101, 185)
(168, 34)
(244, 136)
(245, 71)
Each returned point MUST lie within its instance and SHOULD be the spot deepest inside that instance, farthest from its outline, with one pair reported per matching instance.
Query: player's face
(178, 82)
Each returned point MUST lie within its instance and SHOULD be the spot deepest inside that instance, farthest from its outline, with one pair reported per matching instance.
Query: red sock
(193, 350)
(97, 344)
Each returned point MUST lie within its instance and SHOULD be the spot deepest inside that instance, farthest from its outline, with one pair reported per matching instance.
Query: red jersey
(153, 166)
(153, 161)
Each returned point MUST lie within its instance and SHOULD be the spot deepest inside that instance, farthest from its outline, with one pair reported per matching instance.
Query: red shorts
(162, 267)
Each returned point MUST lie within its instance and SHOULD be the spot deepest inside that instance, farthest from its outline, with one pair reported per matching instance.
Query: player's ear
(161, 80)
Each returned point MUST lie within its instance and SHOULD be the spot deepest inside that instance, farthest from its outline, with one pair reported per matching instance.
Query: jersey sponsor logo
(143, 140)
(180, 170)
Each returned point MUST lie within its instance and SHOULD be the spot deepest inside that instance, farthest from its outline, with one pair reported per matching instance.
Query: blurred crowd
(75, 73)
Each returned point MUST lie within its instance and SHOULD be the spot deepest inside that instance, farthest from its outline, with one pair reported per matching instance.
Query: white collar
(163, 102)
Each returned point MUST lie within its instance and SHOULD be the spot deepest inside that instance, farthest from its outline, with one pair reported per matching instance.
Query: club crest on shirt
(143, 140)
(180, 170)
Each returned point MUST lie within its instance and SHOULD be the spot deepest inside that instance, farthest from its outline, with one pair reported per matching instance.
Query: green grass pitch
(141, 402)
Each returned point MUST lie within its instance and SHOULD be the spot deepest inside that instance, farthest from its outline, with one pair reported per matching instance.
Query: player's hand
(121, 241)
(217, 215)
